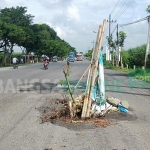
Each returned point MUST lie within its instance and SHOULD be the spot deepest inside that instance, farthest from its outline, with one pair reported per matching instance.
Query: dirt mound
(55, 110)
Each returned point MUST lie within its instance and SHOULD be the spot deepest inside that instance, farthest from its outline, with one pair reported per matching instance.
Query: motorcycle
(46, 65)
(68, 61)
(15, 66)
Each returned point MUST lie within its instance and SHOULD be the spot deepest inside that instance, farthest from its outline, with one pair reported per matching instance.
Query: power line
(125, 8)
(115, 7)
(120, 9)
(122, 25)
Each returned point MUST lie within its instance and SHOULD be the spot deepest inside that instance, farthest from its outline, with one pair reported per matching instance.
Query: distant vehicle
(79, 57)
(45, 65)
(15, 65)
(71, 56)
(55, 59)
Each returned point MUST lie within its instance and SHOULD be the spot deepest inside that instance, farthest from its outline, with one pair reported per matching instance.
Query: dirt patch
(56, 111)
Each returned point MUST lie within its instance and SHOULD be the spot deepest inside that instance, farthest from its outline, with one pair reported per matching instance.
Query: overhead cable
(122, 25)
(120, 9)
(124, 9)
(115, 7)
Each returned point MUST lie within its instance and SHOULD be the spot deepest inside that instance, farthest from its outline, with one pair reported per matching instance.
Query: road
(25, 89)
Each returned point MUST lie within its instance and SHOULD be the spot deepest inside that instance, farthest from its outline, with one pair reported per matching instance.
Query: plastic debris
(122, 108)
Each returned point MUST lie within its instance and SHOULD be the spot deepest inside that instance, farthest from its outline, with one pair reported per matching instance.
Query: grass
(138, 73)
(141, 74)
(110, 66)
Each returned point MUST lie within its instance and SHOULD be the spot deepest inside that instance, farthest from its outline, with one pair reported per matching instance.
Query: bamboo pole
(82, 77)
(86, 95)
(95, 68)
(85, 104)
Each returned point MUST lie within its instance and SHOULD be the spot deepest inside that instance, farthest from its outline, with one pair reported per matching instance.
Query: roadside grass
(110, 66)
(141, 74)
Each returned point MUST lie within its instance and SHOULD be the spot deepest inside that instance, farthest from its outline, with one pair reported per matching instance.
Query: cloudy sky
(75, 20)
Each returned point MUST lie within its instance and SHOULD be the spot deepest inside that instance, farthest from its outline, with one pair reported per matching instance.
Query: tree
(148, 9)
(16, 28)
(121, 38)
(89, 53)
(16, 16)
(11, 24)
(112, 45)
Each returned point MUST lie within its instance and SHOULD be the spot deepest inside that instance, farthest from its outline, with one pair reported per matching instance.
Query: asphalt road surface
(25, 89)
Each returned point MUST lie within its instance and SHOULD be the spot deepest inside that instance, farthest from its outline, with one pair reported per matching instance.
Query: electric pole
(110, 21)
(148, 43)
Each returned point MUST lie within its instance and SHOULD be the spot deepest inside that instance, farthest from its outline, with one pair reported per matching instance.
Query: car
(55, 59)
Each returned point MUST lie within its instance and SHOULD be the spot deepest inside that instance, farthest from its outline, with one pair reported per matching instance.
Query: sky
(75, 20)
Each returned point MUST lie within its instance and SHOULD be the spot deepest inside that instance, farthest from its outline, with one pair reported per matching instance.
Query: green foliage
(141, 74)
(89, 54)
(125, 57)
(148, 9)
(16, 16)
(111, 43)
(137, 56)
(121, 38)
(16, 28)
(108, 65)
(136, 72)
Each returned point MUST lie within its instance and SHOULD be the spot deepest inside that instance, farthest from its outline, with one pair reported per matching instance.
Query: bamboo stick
(82, 77)
(86, 95)
(95, 68)
(86, 99)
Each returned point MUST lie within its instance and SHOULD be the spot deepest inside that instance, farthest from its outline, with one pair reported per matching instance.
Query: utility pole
(148, 43)
(117, 50)
(110, 21)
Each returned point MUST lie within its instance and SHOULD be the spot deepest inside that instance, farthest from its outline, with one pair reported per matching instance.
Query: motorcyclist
(68, 61)
(46, 61)
(15, 61)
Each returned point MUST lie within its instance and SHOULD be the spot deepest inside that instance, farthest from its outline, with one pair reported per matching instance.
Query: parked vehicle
(55, 59)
